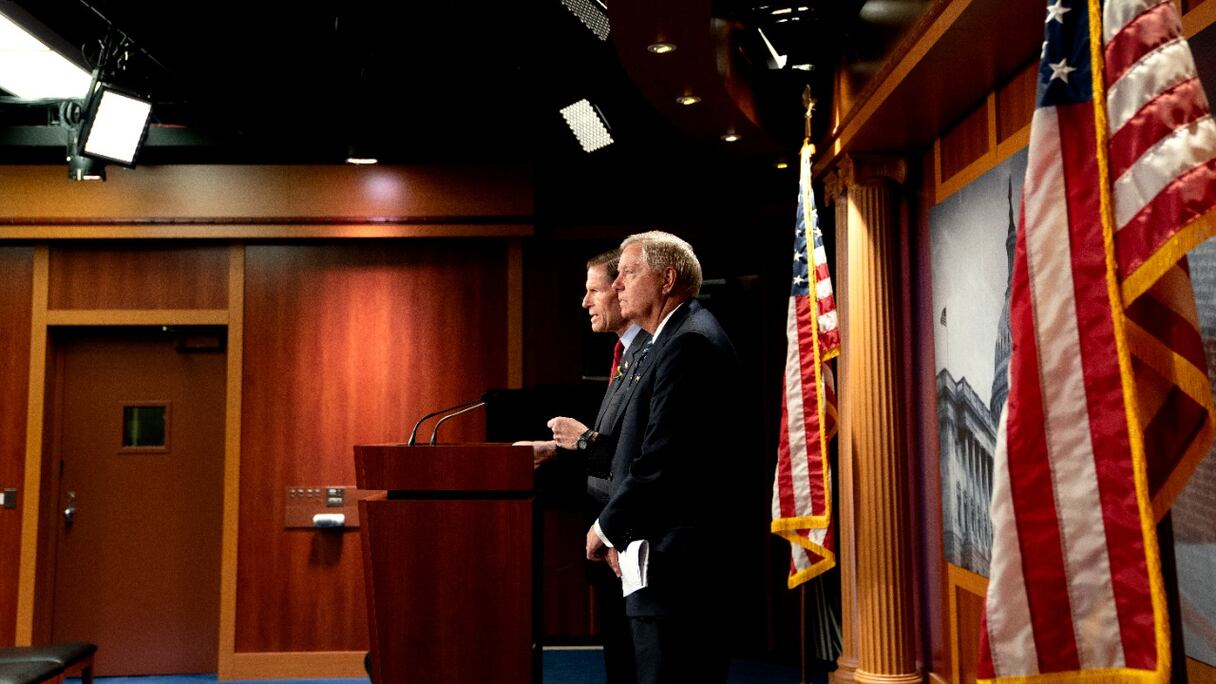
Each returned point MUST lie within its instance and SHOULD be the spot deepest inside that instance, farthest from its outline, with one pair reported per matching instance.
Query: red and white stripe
(1061, 585)
(801, 505)
(1163, 170)
(1074, 586)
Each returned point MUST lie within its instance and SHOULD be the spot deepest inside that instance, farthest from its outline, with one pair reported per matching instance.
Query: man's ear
(669, 280)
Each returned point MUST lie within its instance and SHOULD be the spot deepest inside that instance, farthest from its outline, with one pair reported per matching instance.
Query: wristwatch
(585, 440)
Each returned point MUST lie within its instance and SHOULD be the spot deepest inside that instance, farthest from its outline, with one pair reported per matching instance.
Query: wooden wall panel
(233, 191)
(139, 276)
(1015, 103)
(965, 143)
(970, 610)
(347, 344)
(16, 287)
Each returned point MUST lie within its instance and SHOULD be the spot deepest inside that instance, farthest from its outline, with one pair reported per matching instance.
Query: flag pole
(1173, 604)
(808, 104)
(804, 676)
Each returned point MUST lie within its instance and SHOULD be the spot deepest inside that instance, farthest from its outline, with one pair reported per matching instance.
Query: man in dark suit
(675, 449)
(579, 440)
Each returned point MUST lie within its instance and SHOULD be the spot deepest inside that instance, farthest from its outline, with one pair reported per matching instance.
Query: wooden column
(872, 429)
(846, 551)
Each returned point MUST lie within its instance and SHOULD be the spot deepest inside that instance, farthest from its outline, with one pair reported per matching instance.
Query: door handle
(69, 513)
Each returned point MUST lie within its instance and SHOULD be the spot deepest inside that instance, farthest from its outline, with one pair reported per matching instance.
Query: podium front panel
(450, 588)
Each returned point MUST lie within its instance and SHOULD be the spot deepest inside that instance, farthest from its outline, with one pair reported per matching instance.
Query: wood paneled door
(136, 455)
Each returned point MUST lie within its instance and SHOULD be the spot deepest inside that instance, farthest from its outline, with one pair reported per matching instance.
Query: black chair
(67, 660)
(31, 672)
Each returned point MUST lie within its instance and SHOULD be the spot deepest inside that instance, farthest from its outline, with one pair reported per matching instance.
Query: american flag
(1109, 403)
(802, 492)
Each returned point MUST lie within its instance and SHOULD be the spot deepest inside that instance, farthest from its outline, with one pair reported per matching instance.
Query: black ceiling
(271, 81)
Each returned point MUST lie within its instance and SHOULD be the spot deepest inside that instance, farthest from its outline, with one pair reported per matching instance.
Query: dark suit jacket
(676, 445)
(600, 453)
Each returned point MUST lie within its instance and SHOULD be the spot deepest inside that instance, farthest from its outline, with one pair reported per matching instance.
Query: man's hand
(614, 561)
(542, 451)
(596, 550)
(566, 431)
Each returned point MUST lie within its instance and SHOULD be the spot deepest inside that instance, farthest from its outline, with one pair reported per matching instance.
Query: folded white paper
(635, 562)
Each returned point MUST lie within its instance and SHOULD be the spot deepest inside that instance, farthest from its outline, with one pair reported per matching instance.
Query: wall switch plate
(9, 497)
(335, 497)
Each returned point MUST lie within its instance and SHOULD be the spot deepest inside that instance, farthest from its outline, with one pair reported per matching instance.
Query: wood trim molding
(28, 572)
(1009, 146)
(990, 105)
(960, 579)
(1199, 18)
(227, 665)
(873, 100)
(137, 317)
(1200, 672)
(991, 159)
(515, 314)
(260, 231)
(296, 665)
(861, 169)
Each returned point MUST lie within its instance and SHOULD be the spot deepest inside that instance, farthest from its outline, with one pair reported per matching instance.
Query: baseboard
(295, 665)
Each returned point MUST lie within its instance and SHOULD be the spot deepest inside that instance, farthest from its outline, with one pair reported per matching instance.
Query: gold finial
(809, 103)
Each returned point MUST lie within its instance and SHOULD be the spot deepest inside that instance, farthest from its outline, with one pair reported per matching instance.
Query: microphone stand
(414, 432)
(450, 416)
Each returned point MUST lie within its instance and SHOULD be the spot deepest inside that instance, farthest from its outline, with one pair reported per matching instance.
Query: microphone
(414, 432)
(448, 417)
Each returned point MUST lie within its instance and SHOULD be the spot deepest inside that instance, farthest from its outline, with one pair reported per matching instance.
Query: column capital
(833, 185)
(863, 169)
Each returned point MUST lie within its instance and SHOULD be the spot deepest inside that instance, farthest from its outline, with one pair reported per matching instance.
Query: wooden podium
(450, 552)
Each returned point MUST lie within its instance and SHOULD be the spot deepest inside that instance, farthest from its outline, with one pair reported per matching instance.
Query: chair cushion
(60, 654)
(28, 673)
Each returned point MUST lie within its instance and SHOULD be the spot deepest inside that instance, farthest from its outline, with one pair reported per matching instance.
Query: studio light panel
(117, 129)
(588, 126)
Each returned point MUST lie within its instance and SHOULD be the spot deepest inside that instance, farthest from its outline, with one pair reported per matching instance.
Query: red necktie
(616, 360)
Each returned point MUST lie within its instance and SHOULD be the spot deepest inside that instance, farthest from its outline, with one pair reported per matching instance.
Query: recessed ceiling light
(661, 48)
(687, 100)
(731, 137)
(362, 161)
(781, 165)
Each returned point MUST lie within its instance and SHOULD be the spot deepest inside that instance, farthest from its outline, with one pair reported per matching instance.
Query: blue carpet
(565, 666)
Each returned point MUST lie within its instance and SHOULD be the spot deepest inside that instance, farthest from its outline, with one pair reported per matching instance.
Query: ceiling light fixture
(731, 137)
(687, 100)
(661, 48)
(31, 70)
(781, 165)
(588, 125)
